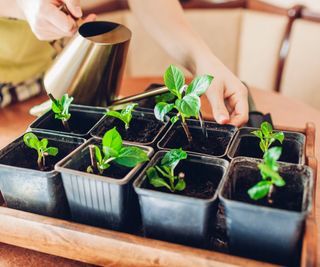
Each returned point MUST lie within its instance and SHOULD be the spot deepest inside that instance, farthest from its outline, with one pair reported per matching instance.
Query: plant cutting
(106, 168)
(269, 170)
(178, 196)
(125, 115)
(28, 180)
(267, 136)
(32, 141)
(187, 98)
(114, 151)
(166, 169)
(61, 109)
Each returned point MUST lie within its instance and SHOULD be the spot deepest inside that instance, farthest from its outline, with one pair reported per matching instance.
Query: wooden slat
(103, 247)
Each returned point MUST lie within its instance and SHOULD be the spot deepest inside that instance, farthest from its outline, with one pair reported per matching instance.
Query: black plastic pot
(82, 121)
(217, 143)
(176, 217)
(245, 144)
(24, 187)
(257, 229)
(144, 129)
(100, 200)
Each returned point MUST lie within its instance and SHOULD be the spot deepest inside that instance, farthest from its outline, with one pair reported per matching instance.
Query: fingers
(239, 103)
(90, 17)
(74, 7)
(60, 20)
(216, 98)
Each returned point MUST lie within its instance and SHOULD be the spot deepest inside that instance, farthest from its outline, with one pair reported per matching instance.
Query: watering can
(91, 66)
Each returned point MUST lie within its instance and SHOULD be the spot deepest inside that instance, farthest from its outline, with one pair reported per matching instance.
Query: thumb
(74, 7)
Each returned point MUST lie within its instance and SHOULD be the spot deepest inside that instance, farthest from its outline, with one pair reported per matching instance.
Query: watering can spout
(90, 67)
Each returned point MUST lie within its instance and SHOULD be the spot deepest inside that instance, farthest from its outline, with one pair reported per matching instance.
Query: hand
(228, 98)
(46, 19)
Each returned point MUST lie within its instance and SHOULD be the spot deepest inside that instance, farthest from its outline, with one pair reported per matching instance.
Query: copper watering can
(91, 66)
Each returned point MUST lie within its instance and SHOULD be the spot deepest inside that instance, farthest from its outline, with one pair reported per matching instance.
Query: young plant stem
(41, 161)
(66, 125)
(93, 159)
(186, 129)
(270, 201)
(203, 126)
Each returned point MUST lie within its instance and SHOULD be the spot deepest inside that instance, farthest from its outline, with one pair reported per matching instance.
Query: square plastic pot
(99, 200)
(256, 230)
(176, 217)
(144, 128)
(217, 143)
(245, 144)
(83, 119)
(33, 190)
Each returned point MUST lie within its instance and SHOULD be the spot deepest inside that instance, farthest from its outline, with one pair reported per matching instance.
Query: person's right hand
(46, 19)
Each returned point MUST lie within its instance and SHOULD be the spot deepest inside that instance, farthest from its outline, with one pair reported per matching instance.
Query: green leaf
(31, 140)
(181, 185)
(258, 134)
(272, 154)
(278, 136)
(126, 113)
(172, 157)
(52, 151)
(199, 85)
(167, 97)
(190, 105)
(161, 109)
(262, 147)
(131, 156)
(174, 80)
(43, 143)
(97, 153)
(174, 119)
(115, 114)
(266, 128)
(260, 190)
(103, 165)
(278, 180)
(111, 142)
(267, 172)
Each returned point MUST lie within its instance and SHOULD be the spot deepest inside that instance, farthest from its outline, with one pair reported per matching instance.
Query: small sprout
(32, 141)
(166, 97)
(113, 150)
(125, 115)
(186, 98)
(61, 109)
(270, 175)
(267, 136)
(166, 170)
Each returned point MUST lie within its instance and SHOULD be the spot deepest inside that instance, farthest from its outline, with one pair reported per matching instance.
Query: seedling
(267, 136)
(125, 115)
(61, 109)
(166, 170)
(32, 141)
(270, 175)
(187, 98)
(113, 150)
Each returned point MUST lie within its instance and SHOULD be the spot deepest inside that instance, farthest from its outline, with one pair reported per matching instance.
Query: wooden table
(285, 112)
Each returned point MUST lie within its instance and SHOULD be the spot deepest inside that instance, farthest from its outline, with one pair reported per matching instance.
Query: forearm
(10, 9)
(165, 21)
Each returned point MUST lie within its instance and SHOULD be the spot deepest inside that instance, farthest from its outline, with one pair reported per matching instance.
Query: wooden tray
(105, 247)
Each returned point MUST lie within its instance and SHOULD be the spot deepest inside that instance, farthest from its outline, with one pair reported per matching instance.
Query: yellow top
(22, 55)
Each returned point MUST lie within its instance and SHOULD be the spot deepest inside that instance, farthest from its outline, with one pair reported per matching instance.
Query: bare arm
(165, 21)
(10, 9)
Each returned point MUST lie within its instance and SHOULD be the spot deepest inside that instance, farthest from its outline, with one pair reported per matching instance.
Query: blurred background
(271, 45)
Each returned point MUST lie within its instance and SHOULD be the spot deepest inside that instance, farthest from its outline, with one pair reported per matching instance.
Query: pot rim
(248, 206)
(61, 165)
(73, 107)
(137, 184)
(136, 112)
(240, 131)
(48, 174)
(231, 131)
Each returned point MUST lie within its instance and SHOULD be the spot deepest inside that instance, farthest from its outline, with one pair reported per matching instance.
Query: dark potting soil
(249, 147)
(288, 197)
(142, 130)
(216, 143)
(115, 171)
(202, 180)
(25, 157)
(80, 122)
